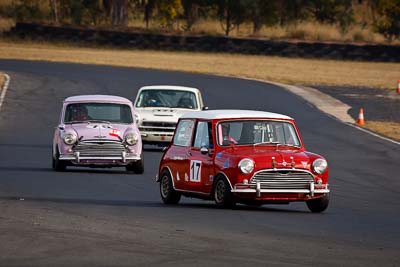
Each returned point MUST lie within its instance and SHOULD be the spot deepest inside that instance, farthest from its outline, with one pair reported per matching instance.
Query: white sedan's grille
(156, 126)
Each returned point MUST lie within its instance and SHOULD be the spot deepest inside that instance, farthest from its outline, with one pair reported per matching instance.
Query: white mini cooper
(159, 108)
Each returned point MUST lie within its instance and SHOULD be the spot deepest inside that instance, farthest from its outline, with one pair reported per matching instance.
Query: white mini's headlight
(131, 139)
(246, 166)
(70, 138)
(320, 165)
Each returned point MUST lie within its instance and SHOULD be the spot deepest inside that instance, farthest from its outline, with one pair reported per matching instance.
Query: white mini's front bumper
(124, 157)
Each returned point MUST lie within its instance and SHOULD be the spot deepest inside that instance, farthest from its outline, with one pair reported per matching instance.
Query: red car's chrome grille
(283, 179)
(100, 148)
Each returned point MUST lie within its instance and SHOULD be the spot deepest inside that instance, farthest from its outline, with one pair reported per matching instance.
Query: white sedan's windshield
(257, 132)
(105, 112)
(167, 98)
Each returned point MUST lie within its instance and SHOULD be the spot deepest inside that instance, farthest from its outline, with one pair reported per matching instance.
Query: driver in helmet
(226, 138)
(80, 113)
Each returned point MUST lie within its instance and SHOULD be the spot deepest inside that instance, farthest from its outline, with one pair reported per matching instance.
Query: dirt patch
(389, 129)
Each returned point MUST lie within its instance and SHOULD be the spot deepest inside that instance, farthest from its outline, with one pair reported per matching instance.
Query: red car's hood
(102, 131)
(263, 156)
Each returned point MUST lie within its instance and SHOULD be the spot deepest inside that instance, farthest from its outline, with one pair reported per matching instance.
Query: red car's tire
(168, 194)
(223, 196)
(319, 204)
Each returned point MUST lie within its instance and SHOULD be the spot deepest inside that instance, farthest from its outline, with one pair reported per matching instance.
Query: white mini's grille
(100, 148)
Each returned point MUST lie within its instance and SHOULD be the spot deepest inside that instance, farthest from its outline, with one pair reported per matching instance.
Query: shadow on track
(239, 207)
(133, 203)
(48, 146)
(69, 170)
(26, 169)
(153, 148)
(151, 204)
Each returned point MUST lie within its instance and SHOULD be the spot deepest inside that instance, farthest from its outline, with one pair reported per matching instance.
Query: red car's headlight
(319, 166)
(246, 166)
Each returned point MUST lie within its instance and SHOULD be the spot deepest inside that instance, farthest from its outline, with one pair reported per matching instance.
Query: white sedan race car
(159, 108)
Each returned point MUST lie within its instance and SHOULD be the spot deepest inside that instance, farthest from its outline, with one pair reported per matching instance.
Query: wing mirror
(204, 150)
(205, 108)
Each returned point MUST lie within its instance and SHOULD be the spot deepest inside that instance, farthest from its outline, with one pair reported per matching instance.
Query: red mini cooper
(241, 156)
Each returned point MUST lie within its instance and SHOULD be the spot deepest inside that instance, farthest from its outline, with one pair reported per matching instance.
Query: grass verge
(284, 70)
(2, 80)
(6, 24)
(388, 129)
(278, 69)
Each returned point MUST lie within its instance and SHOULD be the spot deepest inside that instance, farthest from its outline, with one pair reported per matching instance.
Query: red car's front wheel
(319, 204)
(222, 194)
(168, 194)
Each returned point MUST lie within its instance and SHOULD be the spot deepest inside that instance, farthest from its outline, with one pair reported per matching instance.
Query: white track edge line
(4, 89)
(282, 85)
(374, 134)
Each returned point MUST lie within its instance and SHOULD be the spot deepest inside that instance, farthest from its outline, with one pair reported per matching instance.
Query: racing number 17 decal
(195, 170)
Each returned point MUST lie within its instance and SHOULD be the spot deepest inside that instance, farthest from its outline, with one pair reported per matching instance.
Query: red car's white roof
(169, 87)
(233, 114)
(97, 98)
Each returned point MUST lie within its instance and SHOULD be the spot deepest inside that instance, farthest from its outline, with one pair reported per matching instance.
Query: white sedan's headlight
(70, 138)
(131, 138)
(246, 166)
(137, 119)
(320, 165)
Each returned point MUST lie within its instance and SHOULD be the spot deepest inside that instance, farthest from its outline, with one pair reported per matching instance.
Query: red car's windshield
(257, 132)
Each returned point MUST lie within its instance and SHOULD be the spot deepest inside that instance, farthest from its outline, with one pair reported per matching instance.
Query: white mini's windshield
(257, 132)
(167, 98)
(106, 112)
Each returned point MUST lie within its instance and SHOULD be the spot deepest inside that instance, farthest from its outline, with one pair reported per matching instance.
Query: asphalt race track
(106, 217)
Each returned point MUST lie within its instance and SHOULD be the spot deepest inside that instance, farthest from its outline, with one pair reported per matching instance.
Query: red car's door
(201, 167)
(179, 154)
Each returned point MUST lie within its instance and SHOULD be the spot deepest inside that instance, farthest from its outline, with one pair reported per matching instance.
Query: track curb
(4, 89)
(334, 107)
(329, 105)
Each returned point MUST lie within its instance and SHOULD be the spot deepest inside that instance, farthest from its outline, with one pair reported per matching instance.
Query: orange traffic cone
(398, 86)
(360, 120)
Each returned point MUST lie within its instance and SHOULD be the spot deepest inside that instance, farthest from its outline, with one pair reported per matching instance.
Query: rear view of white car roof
(169, 87)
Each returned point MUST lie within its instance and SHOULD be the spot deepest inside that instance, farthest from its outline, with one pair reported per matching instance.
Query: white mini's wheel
(168, 194)
(136, 167)
(222, 194)
(57, 164)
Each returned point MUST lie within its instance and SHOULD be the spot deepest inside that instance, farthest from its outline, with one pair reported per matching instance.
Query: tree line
(385, 14)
